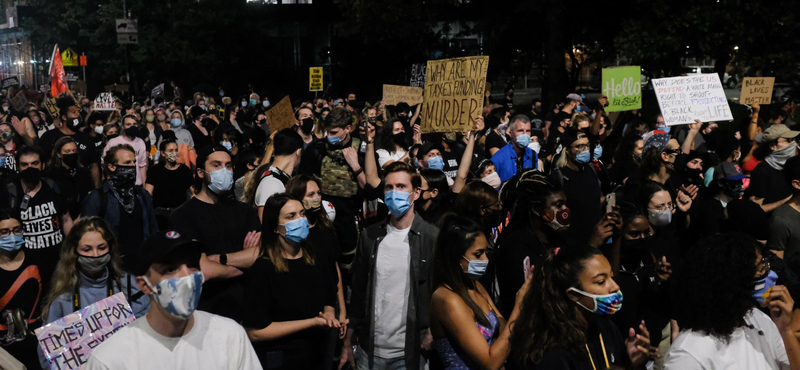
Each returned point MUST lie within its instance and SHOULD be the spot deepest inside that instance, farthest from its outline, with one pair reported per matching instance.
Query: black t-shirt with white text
(169, 186)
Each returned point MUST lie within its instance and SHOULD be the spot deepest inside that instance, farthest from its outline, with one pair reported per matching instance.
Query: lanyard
(76, 298)
(605, 356)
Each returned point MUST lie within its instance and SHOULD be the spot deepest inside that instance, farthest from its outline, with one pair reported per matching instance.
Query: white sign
(684, 99)
(127, 26)
(158, 90)
(105, 102)
(127, 38)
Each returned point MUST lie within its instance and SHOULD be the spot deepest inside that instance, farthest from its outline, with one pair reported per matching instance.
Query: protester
(177, 125)
(515, 156)
(767, 186)
(246, 165)
(288, 149)
(435, 197)
(174, 333)
(71, 123)
(784, 235)
(169, 182)
(66, 169)
(129, 137)
(391, 143)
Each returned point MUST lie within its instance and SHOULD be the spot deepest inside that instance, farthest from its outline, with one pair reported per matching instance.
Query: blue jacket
(91, 207)
(505, 161)
(91, 291)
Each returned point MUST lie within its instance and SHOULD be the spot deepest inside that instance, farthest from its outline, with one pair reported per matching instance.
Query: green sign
(623, 87)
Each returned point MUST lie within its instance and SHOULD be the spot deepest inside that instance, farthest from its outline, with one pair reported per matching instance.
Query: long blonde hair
(66, 275)
(251, 182)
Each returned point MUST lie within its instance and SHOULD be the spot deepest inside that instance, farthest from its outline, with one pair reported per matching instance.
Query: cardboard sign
(105, 102)
(394, 94)
(418, 75)
(754, 90)
(68, 341)
(11, 81)
(52, 109)
(315, 79)
(158, 90)
(453, 95)
(684, 99)
(19, 101)
(281, 116)
(623, 87)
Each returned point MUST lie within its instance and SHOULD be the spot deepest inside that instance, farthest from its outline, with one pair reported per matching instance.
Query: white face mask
(178, 296)
(493, 180)
(98, 129)
(535, 146)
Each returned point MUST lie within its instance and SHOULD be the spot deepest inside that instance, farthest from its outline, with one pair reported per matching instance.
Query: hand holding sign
(684, 99)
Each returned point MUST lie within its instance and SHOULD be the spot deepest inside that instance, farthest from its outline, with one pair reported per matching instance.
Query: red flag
(58, 78)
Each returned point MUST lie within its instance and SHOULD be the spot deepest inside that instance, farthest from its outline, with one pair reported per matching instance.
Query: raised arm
(694, 128)
(466, 158)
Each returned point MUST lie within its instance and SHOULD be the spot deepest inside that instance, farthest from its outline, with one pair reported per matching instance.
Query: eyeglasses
(6, 232)
(664, 207)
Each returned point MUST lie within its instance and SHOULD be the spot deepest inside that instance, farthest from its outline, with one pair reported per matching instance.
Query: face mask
(296, 230)
(31, 175)
(70, 160)
(221, 93)
(733, 189)
(606, 305)
(664, 128)
(265, 103)
(523, 140)
(583, 157)
(3, 161)
(131, 131)
(493, 180)
(6, 136)
(598, 152)
(123, 177)
(334, 140)
(11, 243)
(535, 146)
(537, 110)
(178, 296)
(311, 204)
(228, 146)
(93, 265)
(111, 136)
(659, 219)
(399, 139)
(561, 220)
(634, 244)
(221, 180)
(307, 125)
(253, 102)
(778, 158)
(244, 104)
(98, 130)
(76, 122)
(693, 176)
(397, 202)
(176, 122)
(476, 268)
(171, 157)
(150, 118)
(763, 287)
(436, 163)
(372, 120)
(5, 108)
(161, 117)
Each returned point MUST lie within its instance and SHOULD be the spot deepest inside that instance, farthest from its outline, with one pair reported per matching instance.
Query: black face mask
(124, 177)
(70, 160)
(109, 137)
(537, 110)
(635, 245)
(320, 105)
(307, 125)
(75, 123)
(131, 131)
(733, 189)
(31, 175)
(403, 119)
(399, 139)
(693, 176)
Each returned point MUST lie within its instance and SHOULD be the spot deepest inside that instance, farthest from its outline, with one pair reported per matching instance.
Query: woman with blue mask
(290, 291)
(90, 269)
(467, 328)
(569, 307)
(177, 125)
(23, 305)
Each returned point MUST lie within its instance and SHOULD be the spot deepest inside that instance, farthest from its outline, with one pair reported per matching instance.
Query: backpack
(15, 201)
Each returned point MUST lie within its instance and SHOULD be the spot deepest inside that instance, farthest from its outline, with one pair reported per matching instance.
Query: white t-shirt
(392, 287)
(757, 346)
(215, 342)
(384, 156)
(267, 187)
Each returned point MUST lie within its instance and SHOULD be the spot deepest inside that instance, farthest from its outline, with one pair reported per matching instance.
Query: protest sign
(105, 102)
(281, 116)
(453, 95)
(684, 99)
(52, 109)
(623, 87)
(11, 81)
(315, 79)
(19, 101)
(394, 94)
(158, 90)
(418, 75)
(68, 341)
(756, 90)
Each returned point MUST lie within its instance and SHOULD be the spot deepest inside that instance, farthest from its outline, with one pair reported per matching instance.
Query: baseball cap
(166, 246)
(656, 139)
(575, 97)
(777, 131)
(427, 147)
(728, 171)
(203, 153)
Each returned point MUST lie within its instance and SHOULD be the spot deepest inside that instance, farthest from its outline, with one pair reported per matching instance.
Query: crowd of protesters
(559, 237)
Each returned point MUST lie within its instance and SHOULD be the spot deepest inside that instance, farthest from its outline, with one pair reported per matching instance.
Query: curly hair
(548, 318)
(716, 293)
(526, 192)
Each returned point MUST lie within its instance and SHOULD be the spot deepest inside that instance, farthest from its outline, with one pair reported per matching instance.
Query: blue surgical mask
(176, 122)
(227, 145)
(598, 151)
(221, 180)
(296, 230)
(221, 93)
(523, 140)
(436, 163)
(664, 128)
(583, 157)
(11, 243)
(398, 202)
(265, 103)
(178, 296)
(244, 103)
(476, 268)
(763, 287)
(253, 102)
(334, 140)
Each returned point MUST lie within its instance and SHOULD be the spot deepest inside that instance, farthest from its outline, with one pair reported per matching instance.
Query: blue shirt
(505, 161)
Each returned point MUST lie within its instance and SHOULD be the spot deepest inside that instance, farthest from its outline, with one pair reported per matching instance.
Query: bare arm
(277, 330)
(466, 158)
(752, 129)
(215, 270)
(243, 259)
(415, 117)
(370, 165)
(66, 223)
(149, 188)
(771, 206)
(688, 144)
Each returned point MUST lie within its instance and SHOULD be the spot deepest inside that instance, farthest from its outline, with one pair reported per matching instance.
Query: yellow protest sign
(453, 95)
(281, 116)
(757, 90)
(315, 79)
(394, 94)
(69, 58)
